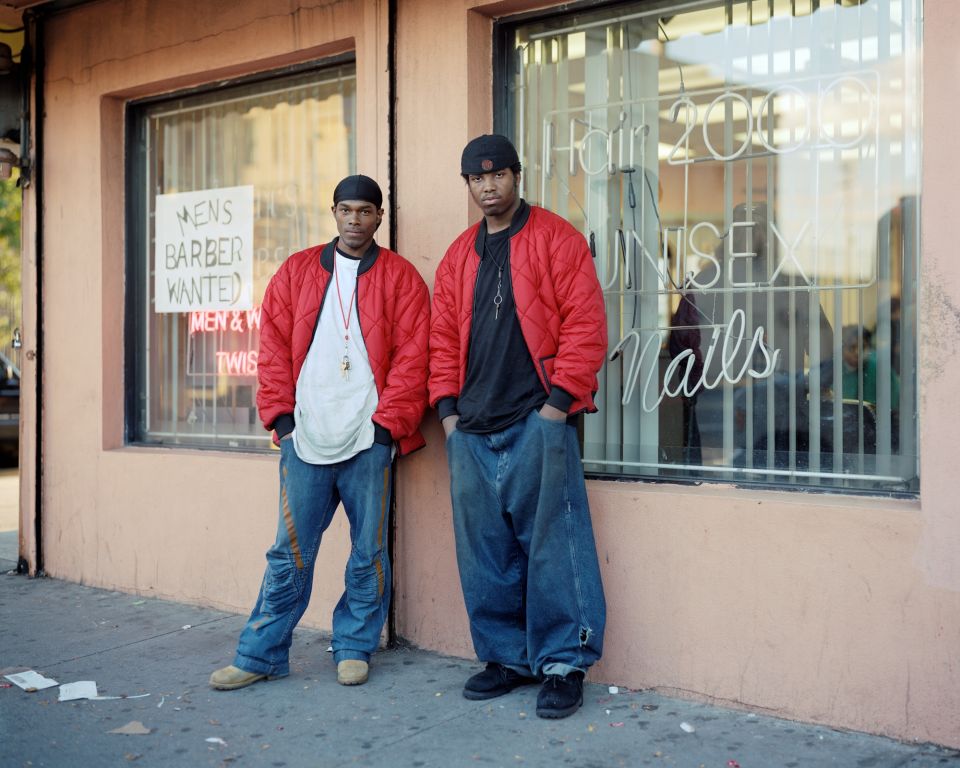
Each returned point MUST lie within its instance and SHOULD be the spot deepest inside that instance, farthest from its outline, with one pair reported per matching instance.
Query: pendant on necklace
(498, 299)
(345, 367)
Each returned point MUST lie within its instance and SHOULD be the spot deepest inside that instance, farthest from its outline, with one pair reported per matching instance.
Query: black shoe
(494, 681)
(560, 696)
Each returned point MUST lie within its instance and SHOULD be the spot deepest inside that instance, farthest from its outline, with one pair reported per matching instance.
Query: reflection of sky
(830, 40)
(840, 243)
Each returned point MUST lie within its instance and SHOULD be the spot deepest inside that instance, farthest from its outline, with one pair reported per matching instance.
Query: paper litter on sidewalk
(133, 728)
(31, 681)
(82, 689)
(115, 698)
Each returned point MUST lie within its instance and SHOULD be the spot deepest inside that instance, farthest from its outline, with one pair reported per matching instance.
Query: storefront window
(224, 185)
(747, 174)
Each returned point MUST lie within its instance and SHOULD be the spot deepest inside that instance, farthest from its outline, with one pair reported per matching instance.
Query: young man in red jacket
(342, 374)
(517, 335)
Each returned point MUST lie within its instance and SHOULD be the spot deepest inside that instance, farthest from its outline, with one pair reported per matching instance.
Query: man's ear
(516, 180)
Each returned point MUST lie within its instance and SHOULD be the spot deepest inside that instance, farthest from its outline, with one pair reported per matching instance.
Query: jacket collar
(517, 223)
(366, 261)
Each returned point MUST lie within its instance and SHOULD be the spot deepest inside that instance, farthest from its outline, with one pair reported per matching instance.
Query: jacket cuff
(284, 424)
(446, 406)
(382, 435)
(560, 398)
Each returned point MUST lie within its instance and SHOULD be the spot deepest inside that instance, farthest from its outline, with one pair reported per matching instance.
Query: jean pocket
(376, 448)
(545, 420)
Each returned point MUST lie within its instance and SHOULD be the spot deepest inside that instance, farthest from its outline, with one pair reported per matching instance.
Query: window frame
(136, 266)
(504, 122)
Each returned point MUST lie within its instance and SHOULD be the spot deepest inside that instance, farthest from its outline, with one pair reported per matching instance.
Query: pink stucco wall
(818, 607)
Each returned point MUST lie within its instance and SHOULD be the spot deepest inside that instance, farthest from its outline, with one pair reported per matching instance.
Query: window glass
(224, 186)
(747, 174)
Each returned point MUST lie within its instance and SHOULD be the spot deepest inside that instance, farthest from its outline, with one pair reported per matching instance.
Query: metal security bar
(748, 176)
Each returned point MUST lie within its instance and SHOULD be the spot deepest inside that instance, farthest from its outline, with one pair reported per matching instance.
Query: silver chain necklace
(498, 299)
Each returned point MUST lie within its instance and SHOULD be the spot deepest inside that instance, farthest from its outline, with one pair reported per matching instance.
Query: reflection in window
(291, 140)
(748, 175)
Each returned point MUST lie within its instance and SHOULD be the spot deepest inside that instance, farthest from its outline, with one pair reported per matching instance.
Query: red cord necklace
(345, 316)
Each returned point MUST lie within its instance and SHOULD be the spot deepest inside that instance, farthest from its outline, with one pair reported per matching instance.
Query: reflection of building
(848, 596)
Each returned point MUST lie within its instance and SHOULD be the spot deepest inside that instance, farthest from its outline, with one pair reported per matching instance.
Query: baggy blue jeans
(525, 547)
(309, 496)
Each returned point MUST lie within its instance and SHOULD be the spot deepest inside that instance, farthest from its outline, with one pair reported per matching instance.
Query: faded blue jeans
(525, 547)
(309, 496)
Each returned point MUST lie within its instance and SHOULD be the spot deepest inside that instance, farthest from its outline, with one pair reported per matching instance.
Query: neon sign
(226, 326)
(823, 116)
(240, 363)
(733, 335)
(223, 320)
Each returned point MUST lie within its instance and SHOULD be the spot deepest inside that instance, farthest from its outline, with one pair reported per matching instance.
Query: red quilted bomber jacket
(559, 305)
(393, 306)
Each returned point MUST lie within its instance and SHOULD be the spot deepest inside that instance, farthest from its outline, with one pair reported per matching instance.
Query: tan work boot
(352, 672)
(230, 678)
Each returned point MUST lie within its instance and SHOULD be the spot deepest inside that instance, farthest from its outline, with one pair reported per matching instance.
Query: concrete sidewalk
(411, 713)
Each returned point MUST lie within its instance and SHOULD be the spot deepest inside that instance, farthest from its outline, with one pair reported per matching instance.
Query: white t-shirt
(333, 412)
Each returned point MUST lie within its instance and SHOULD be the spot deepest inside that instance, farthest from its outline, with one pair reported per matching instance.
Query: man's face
(851, 354)
(494, 192)
(357, 221)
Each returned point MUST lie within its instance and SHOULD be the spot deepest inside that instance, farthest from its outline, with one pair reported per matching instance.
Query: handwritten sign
(204, 250)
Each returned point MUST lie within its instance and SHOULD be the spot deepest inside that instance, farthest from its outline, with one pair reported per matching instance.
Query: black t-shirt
(501, 385)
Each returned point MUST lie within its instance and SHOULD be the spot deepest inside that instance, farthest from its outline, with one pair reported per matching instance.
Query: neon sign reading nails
(725, 341)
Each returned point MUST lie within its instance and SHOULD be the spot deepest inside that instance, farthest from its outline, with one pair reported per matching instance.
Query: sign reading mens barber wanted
(204, 250)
